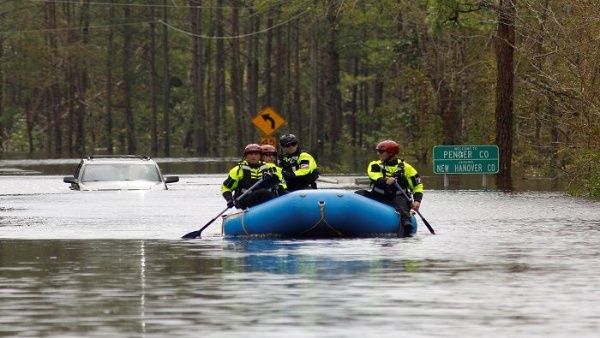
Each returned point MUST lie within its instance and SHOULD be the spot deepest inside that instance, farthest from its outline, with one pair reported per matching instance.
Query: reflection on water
(362, 287)
(292, 257)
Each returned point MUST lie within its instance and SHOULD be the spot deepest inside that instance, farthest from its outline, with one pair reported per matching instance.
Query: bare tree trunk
(279, 73)
(252, 63)
(313, 139)
(50, 24)
(236, 82)
(198, 80)
(108, 111)
(54, 89)
(378, 87)
(166, 84)
(208, 83)
(82, 84)
(504, 44)
(70, 71)
(288, 90)
(539, 65)
(31, 113)
(354, 104)
(219, 76)
(46, 108)
(127, 82)
(3, 127)
(267, 79)
(208, 90)
(295, 114)
(153, 86)
(554, 141)
(363, 105)
(333, 99)
(448, 111)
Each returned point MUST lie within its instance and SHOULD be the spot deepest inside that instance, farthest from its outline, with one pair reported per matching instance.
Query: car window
(120, 172)
(147, 172)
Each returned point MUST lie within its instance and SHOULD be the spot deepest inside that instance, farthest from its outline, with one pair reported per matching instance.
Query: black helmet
(288, 140)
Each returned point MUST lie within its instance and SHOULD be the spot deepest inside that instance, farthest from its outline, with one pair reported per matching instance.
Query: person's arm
(375, 173)
(282, 184)
(306, 165)
(306, 173)
(415, 184)
(229, 186)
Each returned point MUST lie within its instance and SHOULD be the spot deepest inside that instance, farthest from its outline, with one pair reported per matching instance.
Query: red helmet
(268, 149)
(388, 146)
(252, 148)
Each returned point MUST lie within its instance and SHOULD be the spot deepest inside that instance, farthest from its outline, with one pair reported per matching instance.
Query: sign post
(466, 159)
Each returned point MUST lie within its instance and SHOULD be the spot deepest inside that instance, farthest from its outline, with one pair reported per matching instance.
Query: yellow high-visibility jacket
(407, 176)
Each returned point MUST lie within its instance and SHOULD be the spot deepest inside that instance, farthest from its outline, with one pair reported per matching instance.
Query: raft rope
(322, 219)
(244, 223)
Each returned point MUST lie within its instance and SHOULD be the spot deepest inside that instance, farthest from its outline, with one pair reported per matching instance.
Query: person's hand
(270, 179)
(416, 205)
(390, 180)
(230, 203)
(288, 175)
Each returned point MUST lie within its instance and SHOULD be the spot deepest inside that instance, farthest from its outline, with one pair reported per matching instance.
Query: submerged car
(125, 172)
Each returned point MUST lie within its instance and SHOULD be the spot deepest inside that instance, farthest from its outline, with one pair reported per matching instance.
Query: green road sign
(466, 159)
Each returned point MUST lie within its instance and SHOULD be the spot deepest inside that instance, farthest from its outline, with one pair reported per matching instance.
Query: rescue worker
(269, 155)
(245, 174)
(385, 173)
(299, 168)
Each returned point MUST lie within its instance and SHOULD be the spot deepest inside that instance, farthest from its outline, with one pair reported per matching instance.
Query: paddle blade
(426, 223)
(191, 235)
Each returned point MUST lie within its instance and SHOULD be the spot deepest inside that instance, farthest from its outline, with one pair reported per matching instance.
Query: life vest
(243, 176)
(389, 170)
(304, 167)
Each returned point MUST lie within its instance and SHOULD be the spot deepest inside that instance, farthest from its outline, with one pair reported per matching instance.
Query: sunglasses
(289, 145)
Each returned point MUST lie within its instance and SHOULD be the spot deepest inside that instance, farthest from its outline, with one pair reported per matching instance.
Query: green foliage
(585, 174)
(444, 14)
(411, 50)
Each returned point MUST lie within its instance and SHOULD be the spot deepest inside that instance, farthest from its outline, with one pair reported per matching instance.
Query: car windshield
(120, 172)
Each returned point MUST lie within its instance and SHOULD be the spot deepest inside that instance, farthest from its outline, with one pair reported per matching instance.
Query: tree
(166, 83)
(333, 99)
(199, 118)
(109, 83)
(504, 45)
(127, 84)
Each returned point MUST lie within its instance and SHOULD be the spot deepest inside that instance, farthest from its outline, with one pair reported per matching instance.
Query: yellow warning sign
(268, 120)
(269, 140)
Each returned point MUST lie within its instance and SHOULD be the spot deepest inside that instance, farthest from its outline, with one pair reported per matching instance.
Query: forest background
(185, 78)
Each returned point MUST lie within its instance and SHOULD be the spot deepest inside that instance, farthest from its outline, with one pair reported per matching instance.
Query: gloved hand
(288, 175)
(230, 203)
(390, 180)
(270, 179)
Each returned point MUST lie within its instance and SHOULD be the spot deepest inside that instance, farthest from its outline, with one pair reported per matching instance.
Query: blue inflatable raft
(320, 213)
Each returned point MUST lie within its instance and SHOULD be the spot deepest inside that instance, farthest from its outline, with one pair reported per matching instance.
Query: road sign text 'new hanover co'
(466, 159)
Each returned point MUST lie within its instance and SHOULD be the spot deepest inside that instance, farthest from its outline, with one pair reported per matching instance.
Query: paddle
(196, 234)
(418, 213)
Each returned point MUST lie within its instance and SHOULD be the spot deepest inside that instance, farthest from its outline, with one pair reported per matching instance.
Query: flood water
(112, 264)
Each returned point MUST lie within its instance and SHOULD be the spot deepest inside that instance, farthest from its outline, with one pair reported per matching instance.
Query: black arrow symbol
(268, 117)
